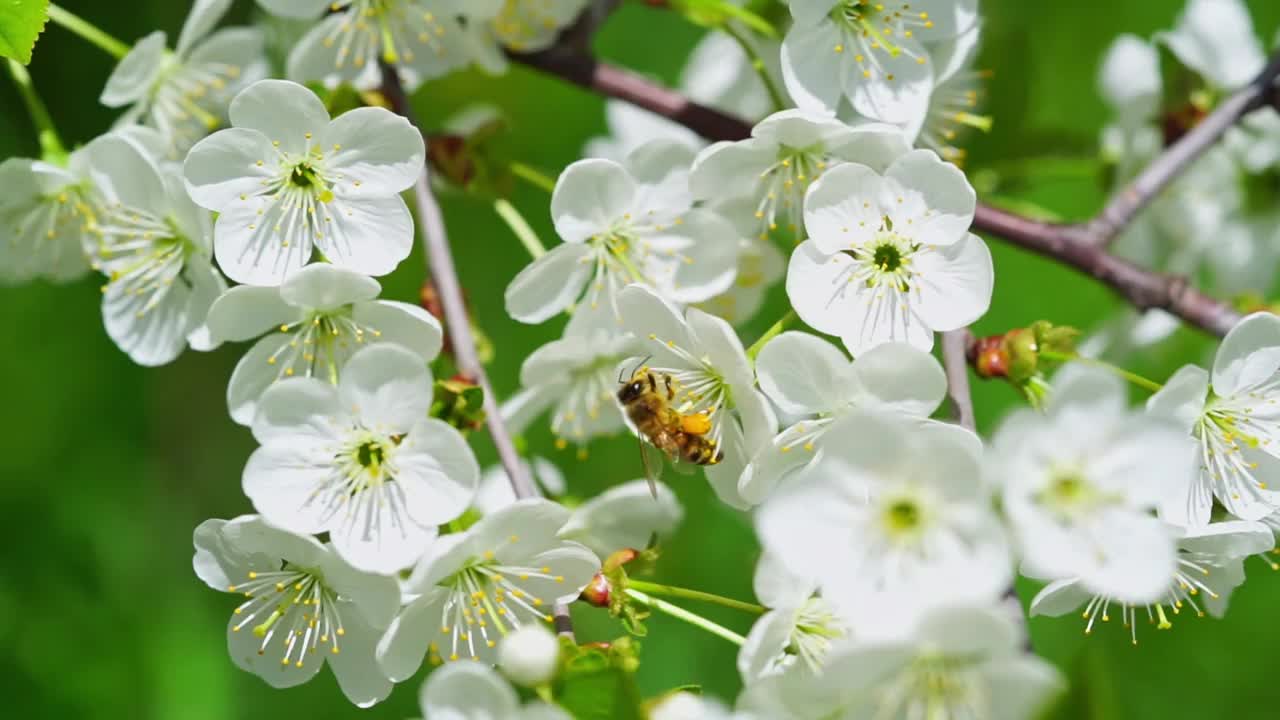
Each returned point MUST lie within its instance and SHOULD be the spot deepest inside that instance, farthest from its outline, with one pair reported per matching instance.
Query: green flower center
(370, 455)
(903, 516)
(887, 257)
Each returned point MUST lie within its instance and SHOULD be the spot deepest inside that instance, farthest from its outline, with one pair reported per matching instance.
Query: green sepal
(714, 13)
(459, 403)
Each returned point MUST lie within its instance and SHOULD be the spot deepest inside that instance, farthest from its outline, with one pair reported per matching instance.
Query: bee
(647, 398)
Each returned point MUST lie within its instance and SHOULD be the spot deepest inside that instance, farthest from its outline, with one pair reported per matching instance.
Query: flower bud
(990, 358)
(597, 592)
(530, 655)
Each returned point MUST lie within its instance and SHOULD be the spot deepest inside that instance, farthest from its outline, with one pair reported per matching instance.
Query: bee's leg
(671, 391)
(653, 384)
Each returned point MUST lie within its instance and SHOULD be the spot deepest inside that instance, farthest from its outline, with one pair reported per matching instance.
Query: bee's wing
(653, 461)
(683, 468)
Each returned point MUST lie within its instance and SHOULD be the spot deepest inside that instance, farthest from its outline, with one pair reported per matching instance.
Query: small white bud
(529, 655)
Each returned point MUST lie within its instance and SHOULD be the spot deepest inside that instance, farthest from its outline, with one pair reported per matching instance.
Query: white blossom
(786, 153)
(286, 179)
(953, 104)
(710, 374)
(474, 691)
(46, 219)
(1234, 417)
(1210, 564)
(422, 39)
(312, 324)
(575, 378)
(626, 516)
(304, 606)
(625, 223)
(1080, 482)
(889, 257)
(684, 705)
(517, 25)
(1216, 39)
(894, 519)
(184, 93)
(871, 54)
(154, 246)
(361, 461)
(799, 629)
(476, 587)
(808, 378)
(956, 662)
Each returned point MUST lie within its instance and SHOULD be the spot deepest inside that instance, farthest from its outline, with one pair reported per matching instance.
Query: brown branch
(955, 348)
(1080, 246)
(1120, 211)
(435, 241)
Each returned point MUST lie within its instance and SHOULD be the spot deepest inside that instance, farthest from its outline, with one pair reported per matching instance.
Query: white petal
(1130, 78)
(354, 667)
(900, 377)
(1183, 396)
(402, 324)
(549, 284)
(1216, 39)
(841, 209)
(648, 316)
(245, 312)
(467, 689)
(369, 235)
(1059, 598)
(223, 168)
(955, 284)
(1248, 355)
(243, 645)
(134, 76)
(296, 409)
(811, 69)
(947, 193)
(251, 250)
(709, 261)
(326, 287)
(768, 640)
(1025, 685)
(900, 100)
(1134, 558)
(204, 16)
(378, 540)
(378, 152)
(404, 645)
(300, 9)
(387, 387)
(589, 197)
(280, 484)
(283, 111)
(377, 597)
(218, 565)
(253, 375)
(438, 473)
(626, 516)
(729, 169)
(803, 374)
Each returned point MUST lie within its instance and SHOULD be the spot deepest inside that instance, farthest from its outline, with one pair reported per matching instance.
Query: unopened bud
(989, 357)
(597, 592)
(529, 655)
(1024, 355)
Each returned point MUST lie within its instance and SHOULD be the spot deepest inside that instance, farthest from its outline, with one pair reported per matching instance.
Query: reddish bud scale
(990, 357)
(597, 592)
(620, 558)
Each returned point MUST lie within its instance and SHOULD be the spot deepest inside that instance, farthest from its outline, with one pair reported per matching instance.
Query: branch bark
(1080, 246)
(444, 274)
(956, 363)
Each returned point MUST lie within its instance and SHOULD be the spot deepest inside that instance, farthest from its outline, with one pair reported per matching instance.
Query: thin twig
(1129, 201)
(1077, 246)
(954, 351)
(444, 274)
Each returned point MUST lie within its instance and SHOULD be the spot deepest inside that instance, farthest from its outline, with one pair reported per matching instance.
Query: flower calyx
(1022, 355)
(459, 402)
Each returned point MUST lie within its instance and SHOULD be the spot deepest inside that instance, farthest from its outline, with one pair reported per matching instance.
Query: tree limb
(435, 241)
(1080, 246)
(955, 360)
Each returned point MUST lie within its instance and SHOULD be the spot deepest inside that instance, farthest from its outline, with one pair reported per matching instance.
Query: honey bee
(647, 398)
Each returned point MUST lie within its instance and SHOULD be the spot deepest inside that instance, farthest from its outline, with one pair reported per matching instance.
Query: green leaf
(21, 22)
(714, 13)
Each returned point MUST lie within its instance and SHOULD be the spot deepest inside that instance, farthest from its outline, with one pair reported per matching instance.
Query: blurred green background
(107, 467)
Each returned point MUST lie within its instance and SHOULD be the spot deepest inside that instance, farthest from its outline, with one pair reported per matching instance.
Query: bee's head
(631, 391)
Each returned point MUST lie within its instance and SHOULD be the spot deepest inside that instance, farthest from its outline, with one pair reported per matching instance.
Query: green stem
(50, 145)
(686, 593)
(88, 31)
(681, 614)
(520, 227)
(533, 176)
(774, 331)
(757, 63)
(1132, 377)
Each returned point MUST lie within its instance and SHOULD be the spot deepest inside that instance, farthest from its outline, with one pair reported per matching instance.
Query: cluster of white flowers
(890, 539)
